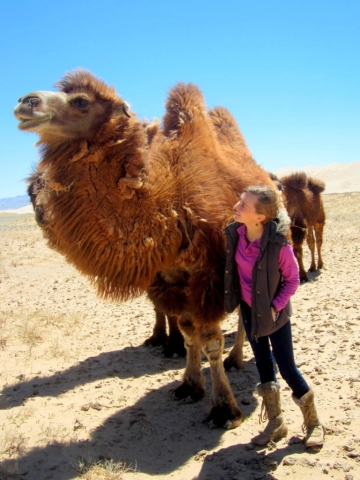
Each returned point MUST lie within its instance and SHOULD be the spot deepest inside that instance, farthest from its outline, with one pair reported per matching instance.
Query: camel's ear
(126, 109)
(123, 108)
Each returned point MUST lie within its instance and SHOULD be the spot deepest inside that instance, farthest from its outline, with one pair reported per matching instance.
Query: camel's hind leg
(310, 240)
(319, 228)
(159, 335)
(298, 252)
(172, 343)
(193, 381)
(175, 341)
(236, 356)
(225, 412)
(298, 233)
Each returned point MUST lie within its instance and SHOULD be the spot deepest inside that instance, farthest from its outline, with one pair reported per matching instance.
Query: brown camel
(304, 203)
(136, 218)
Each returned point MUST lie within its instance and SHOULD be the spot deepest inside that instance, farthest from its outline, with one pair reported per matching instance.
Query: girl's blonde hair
(267, 204)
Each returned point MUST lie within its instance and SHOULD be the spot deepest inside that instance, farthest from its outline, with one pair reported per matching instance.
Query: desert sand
(83, 398)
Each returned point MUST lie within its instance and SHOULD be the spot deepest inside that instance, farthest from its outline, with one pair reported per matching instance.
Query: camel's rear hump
(315, 185)
(226, 125)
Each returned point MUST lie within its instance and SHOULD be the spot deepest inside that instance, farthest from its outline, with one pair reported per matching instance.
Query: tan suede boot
(314, 429)
(276, 428)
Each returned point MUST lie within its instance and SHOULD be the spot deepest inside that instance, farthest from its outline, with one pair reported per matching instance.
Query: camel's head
(82, 104)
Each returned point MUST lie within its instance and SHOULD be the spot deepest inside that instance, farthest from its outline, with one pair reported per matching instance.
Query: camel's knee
(213, 349)
(212, 346)
(186, 327)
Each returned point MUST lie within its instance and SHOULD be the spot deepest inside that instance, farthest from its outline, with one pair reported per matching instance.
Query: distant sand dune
(27, 209)
(338, 177)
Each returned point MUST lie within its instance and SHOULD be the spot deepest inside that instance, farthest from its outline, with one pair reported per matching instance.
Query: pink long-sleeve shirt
(246, 255)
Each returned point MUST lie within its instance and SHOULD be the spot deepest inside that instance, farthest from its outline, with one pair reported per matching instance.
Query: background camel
(304, 203)
(134, 217)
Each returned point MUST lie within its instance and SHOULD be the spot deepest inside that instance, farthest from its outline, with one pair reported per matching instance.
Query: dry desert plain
(81, 397)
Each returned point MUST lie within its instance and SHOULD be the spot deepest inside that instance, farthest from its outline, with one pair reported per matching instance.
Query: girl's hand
(275, 314)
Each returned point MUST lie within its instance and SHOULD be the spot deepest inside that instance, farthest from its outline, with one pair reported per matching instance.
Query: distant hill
(338, 177)
(12, 203)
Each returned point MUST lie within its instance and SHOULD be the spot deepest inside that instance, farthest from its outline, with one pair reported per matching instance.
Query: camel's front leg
(236, 356)
(225, 412)
(193, 381)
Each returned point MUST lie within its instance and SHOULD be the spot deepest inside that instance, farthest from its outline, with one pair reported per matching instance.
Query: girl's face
(245, 211)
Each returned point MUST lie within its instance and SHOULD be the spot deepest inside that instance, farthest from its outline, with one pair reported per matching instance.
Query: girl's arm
(290, 272)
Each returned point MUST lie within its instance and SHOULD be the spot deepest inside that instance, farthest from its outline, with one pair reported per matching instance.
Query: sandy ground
(79, 389)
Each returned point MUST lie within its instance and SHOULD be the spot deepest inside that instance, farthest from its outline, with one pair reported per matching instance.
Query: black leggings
(283, 352)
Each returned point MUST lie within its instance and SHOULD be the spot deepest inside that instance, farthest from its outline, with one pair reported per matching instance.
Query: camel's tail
(315, 185)
(185, 102)
(297, 181)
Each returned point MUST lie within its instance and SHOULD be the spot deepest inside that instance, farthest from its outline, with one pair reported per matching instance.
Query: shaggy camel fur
(135, 218)
(304, 203)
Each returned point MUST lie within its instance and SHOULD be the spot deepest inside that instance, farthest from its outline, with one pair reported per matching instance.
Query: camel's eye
(80, 102)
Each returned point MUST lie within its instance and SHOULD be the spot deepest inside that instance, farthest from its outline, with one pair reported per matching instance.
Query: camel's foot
(226, 416)
(303, 277)
(156, 341)
(233, 362)
(185, 390)
(175, 345)
(320, 265)
(313, 268)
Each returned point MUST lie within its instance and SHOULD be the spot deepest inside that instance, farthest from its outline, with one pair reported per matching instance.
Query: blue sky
(288, 71)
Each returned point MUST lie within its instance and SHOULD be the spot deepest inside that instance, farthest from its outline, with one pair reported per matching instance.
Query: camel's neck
(102, 213)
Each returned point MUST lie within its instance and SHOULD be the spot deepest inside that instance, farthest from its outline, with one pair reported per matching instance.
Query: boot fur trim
(305, 400)
(268, 387)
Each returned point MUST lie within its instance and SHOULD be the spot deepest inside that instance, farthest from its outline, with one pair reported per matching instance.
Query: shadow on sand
(157, 435)
(247, 463)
